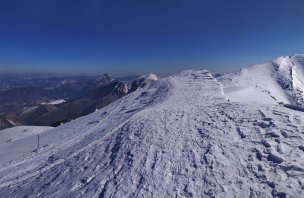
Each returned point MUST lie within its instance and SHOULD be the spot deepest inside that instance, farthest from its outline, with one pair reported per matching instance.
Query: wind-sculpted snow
(280, 80)
(177, 137)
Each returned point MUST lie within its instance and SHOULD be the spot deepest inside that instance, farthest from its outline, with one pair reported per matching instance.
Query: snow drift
(280, 80)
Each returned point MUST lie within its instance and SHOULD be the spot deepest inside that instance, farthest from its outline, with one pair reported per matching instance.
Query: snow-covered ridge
(280, 80)
(104, 80)
(175, 137)
(126, 86)
(151, 76)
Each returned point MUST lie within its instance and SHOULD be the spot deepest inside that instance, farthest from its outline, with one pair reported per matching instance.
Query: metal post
(38, 145)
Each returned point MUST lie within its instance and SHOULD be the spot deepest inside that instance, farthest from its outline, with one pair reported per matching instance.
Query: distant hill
(28, 105)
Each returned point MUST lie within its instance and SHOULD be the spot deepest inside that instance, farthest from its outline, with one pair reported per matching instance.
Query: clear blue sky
(125, 37)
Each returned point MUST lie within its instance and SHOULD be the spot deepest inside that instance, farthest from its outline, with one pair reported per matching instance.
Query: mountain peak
(289, 57)
(151, 76)
(104, 80)
(279, 80)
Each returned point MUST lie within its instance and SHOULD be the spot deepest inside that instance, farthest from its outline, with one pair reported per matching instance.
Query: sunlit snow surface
(280, 80)
(20, 132)
(176, 137)
(56, 102)
(19, 141)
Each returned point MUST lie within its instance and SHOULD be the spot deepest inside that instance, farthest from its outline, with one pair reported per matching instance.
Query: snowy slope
(20, 132)
(13, 144)
(280, 80)
(176, 137)
(5, 123)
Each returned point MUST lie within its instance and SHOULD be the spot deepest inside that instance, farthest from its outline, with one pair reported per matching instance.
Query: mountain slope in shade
(5, 123)
(104, 80)
(90, 96)
(109, 92)
(176, 137)
(280, 80)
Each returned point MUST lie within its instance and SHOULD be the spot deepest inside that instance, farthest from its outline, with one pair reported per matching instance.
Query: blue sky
(125, 37)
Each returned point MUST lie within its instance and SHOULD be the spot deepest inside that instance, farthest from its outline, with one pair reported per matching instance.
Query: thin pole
(38, 145)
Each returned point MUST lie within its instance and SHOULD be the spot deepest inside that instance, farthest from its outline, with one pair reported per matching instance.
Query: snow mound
(176, 137)
(280, 80)
(151, 77)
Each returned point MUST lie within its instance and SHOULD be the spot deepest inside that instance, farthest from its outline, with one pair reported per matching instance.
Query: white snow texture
(175, 137)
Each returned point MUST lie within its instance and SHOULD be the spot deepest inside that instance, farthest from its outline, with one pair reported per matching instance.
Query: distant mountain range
(51, 106)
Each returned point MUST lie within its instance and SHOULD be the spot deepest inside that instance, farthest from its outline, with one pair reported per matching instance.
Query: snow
(280, 80)
(14, 123)
(176, 137)
(57, 102)
(104, 80)
(294, 107)
(29, 110)
(20, 132)
(12, 142)
(298, 77)
(151, 77)
(126, 87)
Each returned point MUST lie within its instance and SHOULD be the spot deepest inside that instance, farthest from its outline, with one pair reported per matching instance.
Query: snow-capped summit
(151, 76)
(279, 80)
(131, 85)
(104, 80)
